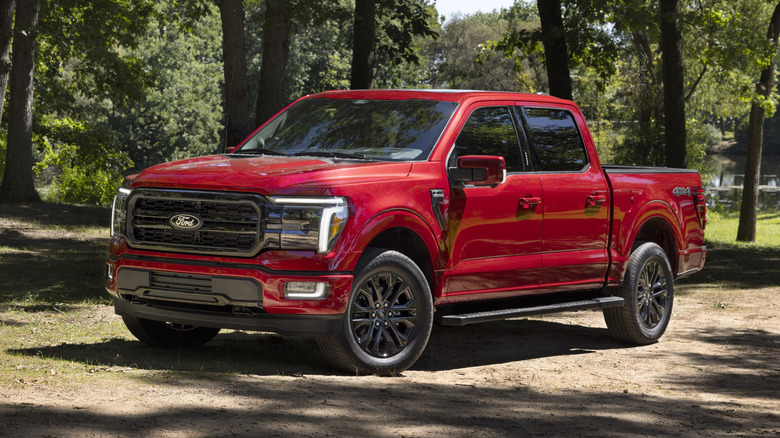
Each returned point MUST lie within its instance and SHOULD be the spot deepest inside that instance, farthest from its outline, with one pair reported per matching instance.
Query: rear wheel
(164, 334)
(648, 290)
(388, 320)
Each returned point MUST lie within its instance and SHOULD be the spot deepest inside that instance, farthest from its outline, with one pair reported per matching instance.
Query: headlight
(119, 212)
(307, 223)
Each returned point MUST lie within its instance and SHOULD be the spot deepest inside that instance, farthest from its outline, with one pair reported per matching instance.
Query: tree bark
(238, 120)
(17, 186)
(363, 43)
(555, 51)
(647, 109)
(674, 83)
(6, 21)
(276, 48)
(746, 232)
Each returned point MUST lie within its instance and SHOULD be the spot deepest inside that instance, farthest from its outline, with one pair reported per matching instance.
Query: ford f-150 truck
(363, 217)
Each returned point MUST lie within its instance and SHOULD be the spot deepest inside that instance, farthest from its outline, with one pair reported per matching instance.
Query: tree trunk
(746, 232)
(363, 43)
(647, 108)
(276, 48)
(6, 20)
(17, 186)
(555, 52)
(674, 81)
(238, 121)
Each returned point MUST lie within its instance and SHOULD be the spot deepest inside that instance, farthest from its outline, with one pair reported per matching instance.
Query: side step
(501, 314)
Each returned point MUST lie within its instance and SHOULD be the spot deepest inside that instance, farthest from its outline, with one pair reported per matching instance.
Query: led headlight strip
(333, 212)
(119, 211)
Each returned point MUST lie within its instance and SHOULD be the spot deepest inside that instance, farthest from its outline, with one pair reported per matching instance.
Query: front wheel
(164, 334)
(388, 320)
(648, 291)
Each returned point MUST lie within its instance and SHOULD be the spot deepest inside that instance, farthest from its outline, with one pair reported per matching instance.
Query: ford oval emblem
(185, 222)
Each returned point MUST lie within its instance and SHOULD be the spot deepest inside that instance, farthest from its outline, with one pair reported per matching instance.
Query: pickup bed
(363, 217)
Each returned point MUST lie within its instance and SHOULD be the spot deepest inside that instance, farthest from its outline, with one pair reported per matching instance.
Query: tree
(674, 84)
(364, 42)
(555, 51)
(386, 29)
(181, 114)
(6, 21)
(746, 232)
(276, 50)
(17, 185)
(238, 121)
(462, 60)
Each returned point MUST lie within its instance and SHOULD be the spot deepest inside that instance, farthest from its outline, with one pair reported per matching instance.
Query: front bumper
(223, 295)
(287, 325)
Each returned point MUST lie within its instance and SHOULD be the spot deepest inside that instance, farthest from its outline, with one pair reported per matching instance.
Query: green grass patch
(721, 231)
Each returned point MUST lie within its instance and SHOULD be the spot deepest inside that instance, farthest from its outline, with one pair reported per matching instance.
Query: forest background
(100, 89)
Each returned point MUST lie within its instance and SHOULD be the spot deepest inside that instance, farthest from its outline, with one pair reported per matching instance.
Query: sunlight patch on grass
(721, 231)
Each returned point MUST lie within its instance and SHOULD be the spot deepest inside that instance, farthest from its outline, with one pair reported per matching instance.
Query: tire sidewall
(399, 264)
(644, 254)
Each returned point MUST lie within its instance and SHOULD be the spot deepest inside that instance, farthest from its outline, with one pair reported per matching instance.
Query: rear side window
(556, 139)
(489, 131)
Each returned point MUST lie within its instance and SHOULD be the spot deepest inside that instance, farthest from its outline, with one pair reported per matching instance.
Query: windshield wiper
(331, 154)
(261, 151)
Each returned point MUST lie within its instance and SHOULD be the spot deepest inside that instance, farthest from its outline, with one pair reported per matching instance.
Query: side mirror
(480, 170)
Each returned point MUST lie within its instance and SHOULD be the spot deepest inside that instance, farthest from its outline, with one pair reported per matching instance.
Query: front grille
(230, 223)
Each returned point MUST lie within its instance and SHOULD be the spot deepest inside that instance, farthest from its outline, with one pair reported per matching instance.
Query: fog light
(306, 290)
(109, 272)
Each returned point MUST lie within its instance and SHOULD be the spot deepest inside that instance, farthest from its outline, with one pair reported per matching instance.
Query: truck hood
(268, 174)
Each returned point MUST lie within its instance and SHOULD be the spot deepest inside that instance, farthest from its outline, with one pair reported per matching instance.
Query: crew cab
(360, 218)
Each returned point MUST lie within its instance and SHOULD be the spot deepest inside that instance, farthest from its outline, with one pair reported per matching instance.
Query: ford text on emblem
(185, 222)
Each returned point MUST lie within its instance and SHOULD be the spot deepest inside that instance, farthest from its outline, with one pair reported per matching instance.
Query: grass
(721, 231)
(59, 330)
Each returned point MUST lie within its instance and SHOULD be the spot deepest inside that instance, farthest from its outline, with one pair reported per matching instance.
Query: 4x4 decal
(681, 191)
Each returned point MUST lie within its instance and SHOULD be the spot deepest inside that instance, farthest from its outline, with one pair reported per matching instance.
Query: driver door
(494, 232)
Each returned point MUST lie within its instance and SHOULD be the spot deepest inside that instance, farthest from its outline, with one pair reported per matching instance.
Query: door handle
(594, 200)
(529, 201)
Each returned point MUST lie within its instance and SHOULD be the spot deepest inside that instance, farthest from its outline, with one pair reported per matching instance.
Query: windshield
(395, 130)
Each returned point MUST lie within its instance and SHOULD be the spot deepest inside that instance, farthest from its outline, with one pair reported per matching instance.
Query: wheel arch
(658, 230)
(656, 223)
(405, 232)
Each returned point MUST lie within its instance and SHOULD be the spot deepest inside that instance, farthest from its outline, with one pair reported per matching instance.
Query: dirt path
(715, 373)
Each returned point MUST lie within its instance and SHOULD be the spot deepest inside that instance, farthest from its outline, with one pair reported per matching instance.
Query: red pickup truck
(363, 217)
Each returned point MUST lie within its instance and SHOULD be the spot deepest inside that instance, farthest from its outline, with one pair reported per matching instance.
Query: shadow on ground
(269, 354)
(386, 407)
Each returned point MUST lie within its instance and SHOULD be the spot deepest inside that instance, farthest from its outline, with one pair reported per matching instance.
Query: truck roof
(438, 94)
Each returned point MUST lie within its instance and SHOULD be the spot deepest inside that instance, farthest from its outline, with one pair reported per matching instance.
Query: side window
(489, 131)
(556, 139)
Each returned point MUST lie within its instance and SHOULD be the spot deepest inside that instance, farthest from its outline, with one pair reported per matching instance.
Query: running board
(498, 315)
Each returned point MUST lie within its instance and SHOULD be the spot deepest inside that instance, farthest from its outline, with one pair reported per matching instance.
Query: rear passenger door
(576, 200)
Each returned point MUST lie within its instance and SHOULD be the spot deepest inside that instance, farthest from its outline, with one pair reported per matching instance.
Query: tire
(388, 319)
(167, 335)
(648, 291)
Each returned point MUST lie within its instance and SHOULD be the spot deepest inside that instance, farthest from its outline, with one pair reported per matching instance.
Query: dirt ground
(715, 373)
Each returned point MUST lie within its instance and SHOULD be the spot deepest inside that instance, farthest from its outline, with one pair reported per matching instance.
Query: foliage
(181, 113)
(588, 38)
(82, 52)
(461, 60)
(90, 168)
